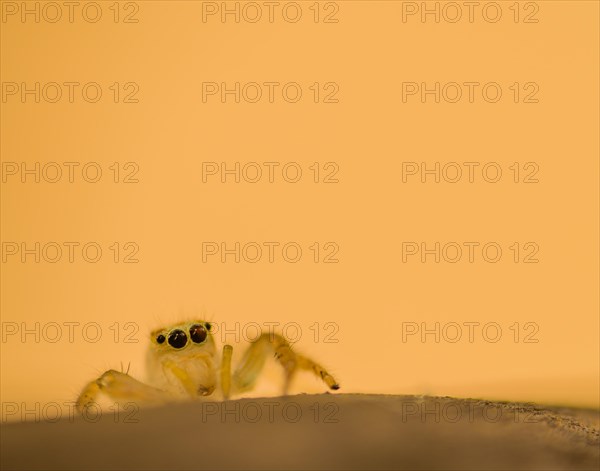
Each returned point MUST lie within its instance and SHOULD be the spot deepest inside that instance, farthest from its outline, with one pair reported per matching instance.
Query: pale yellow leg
(255, 356)
(120, 387)
(226, 371)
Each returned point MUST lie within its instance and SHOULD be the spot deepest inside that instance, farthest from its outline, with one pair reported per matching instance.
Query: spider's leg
(120, 387)
(226, 371)
(255, 356)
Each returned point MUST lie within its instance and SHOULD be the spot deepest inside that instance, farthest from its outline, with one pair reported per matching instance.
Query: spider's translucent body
(183, 363)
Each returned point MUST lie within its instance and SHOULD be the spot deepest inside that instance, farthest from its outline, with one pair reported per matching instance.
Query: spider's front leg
(120, 386)
(226, 371)
(254, 358)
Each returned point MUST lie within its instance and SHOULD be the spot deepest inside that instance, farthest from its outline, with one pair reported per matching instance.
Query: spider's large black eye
(160, 339)
(177, 339)
(198, 333)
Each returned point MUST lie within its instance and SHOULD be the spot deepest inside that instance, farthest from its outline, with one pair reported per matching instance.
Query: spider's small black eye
(198, 333)
(177, 339)
(160, 339)
(208, 326)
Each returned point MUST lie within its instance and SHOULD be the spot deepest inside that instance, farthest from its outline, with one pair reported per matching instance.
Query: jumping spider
(183, 363)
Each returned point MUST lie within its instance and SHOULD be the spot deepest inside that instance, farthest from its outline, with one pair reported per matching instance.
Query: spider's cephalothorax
(183, 363)
(183, 360)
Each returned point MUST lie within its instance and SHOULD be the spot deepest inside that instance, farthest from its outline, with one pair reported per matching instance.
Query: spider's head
(189, 337)
(182, 358)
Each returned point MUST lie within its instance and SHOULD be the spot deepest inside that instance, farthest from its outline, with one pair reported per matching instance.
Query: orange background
(369, 53)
